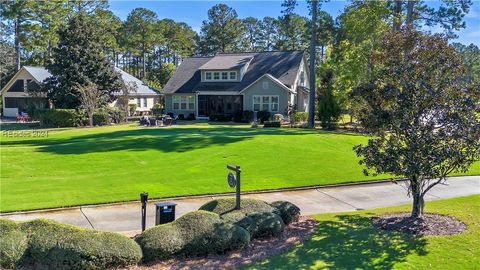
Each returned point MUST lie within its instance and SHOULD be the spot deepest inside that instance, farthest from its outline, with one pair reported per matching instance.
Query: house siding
(272, 90)
(169, 105)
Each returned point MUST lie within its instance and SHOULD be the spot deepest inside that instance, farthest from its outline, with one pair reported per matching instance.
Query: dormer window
(302, 78)
(221, 75)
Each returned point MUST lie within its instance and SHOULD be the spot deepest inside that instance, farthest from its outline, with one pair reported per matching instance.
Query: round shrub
(160, 242)
(13, 243)
(263, 224)
(54, 245)
(195, 233)
(287, 210)
(225, 207)
(278, 117)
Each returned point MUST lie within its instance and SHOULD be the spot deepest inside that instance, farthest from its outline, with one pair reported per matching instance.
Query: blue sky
(194, 12)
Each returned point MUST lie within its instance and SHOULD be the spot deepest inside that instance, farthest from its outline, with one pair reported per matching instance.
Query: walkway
(125, 217)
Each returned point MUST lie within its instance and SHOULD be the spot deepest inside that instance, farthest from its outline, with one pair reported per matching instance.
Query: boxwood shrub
(195, 233)
(272, 124)
(262, 224)
(58, 117)
(53, 245)
(287, 210)
(13, 243)
(225, 207)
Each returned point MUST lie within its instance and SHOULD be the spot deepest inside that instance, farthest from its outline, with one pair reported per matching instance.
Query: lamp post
(144, 200)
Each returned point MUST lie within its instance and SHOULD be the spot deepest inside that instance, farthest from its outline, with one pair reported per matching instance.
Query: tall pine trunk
(313, 44)
(397, 18)
(17, 44)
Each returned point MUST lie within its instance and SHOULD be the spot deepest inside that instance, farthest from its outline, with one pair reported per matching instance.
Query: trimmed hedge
(58, 117)
(262, 224)
(101, 118)
(287, 210)
(272, 124)
(263, 116)
(53, 245)
(300, 117)
(195, 233)
(13, 243)
(225, 207)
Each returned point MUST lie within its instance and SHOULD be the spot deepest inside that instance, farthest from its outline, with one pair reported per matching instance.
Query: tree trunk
(410, 6)
(313, 44)
(397, 16)
(17, 44)
(90, 119)
(418, 201)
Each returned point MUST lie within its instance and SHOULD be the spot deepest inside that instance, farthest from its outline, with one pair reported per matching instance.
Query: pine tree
(328, 105)
(77, 60)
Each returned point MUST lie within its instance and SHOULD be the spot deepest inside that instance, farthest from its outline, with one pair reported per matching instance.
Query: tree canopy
(422, 115)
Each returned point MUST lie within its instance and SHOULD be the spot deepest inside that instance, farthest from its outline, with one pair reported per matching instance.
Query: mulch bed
(258, 249)
(428, 224)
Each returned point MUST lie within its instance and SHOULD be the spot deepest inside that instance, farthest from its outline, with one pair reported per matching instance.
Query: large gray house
(231, 82)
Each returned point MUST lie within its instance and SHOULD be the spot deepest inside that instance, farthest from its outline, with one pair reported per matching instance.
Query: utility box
(165, 212)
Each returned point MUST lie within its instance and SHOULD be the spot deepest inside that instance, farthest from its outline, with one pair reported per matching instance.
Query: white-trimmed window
(183, 103)
(145, 102)
(266, 103)
(139, 102)
(220, 75)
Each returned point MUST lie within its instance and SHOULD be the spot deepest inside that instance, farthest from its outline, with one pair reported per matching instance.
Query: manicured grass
(108, 164)
(349, 241)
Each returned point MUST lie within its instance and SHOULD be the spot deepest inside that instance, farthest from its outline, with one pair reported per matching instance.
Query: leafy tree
(222, 31)
(91, 99)
(140, 33)
(123, 99)
(34, 25)
(292, 32)
(251, 41)
(421, 115)
(268, 33)
(328, 106)
(108, 27)
(449, 15)
(471, 59)
(79, 60)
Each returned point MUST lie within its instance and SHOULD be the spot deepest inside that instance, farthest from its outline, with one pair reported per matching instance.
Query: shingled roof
(281, 65)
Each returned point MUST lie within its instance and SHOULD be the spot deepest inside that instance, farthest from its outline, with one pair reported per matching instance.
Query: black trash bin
(165, 212)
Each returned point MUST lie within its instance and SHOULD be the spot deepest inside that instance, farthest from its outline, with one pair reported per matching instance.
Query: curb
(210, 196)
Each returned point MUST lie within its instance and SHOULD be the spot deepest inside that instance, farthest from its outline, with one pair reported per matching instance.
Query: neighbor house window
(302, 78)
(216, 75)
(145, 103)
(233, 75)
(139, 102)
(183, 102)
(224, 75)
(220, 75)
(208, 76)
(266, 103)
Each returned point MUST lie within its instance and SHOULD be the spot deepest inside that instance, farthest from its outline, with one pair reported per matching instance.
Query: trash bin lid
(163, 204)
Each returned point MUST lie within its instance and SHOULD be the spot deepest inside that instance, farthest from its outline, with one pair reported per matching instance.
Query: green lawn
(348, 241)
(108, 164)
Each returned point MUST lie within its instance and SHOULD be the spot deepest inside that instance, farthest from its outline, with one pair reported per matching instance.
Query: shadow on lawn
(350, 242)
(161, 139)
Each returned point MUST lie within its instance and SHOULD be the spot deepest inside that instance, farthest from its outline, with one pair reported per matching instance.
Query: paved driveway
(125, 217)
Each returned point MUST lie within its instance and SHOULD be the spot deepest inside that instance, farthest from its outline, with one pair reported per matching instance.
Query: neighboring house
(16, 98)
(230, 82)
